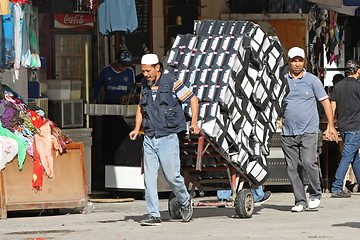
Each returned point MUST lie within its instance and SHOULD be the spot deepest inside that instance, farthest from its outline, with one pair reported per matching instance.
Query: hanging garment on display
(44, 148)
(20, 2)
(18, 38)
(4, 7)
(1, 41)
(117, 16)
(26, 54)
(7, 57)
(38, 170)
(35, 62)
(18, 15)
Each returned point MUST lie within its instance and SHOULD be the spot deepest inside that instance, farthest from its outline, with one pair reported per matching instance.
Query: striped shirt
(180, 91)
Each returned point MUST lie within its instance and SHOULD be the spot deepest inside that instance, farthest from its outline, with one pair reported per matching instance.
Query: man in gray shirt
(300, 129)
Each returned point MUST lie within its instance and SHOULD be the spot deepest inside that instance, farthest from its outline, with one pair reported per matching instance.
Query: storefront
(74, 51)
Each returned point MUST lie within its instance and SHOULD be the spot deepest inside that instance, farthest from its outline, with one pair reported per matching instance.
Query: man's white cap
(150, 59)
(296, 52)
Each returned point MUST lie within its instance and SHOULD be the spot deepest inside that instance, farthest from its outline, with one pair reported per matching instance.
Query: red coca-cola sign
(78, 21)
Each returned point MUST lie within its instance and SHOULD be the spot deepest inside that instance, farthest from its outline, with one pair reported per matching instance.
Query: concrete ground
(335, 219)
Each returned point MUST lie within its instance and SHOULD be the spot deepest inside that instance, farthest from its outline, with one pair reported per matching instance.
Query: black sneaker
(340, 194)
(187, 211)
(266, 198)
(151, 221)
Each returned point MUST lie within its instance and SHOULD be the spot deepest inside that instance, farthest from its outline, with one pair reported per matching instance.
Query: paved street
(335, 219)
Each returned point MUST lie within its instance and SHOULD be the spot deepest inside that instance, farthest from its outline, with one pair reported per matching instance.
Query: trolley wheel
(174, 207)
(244, 203)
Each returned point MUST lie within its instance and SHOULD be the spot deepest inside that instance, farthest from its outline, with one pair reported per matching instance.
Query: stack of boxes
(234, 69)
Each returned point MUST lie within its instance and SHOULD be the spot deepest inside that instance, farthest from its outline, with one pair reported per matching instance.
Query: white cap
(296, 52)
(150, 59)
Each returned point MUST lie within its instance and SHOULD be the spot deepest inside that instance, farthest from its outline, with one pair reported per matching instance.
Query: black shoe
(266, 198)
(187, 211)
(151, 221)
(340, 194)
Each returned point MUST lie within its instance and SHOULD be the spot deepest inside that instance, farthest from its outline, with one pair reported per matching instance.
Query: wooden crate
(67, 189)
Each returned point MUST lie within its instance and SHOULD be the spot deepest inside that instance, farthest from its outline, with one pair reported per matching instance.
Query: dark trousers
(301, 154)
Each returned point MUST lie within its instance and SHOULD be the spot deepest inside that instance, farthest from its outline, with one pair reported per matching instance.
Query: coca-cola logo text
(79, 21)
(74, 19)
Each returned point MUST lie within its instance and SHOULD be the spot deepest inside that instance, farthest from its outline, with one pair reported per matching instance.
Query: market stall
(41, 168)
(67, 189)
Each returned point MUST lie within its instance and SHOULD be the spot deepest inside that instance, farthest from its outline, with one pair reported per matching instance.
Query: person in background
(337, 78)
(162, 116)
(300, 128)
(259, 195)
(345, 100)
(118, 79)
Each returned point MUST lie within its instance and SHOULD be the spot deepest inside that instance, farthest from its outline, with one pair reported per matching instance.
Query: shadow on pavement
(203, 212)
(348, 224)
(283, 208)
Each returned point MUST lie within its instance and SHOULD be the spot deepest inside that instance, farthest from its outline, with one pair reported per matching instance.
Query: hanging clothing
(35, 62)
(1, 41)
(44, 148)
(21, 2)
(8, 150)
(7, 58)
(117, 16)
(18, 15)
(26, 54)
(4, 7)
(38, 170)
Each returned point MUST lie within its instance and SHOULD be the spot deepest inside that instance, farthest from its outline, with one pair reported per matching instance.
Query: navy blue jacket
(164, 116)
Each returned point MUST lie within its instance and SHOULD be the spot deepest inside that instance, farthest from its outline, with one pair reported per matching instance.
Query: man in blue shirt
(118, 79)
(300, 129)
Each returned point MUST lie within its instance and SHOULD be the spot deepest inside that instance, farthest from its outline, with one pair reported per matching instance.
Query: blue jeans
(164, 152)
(258, 194)
(350, 155)
(224, 194)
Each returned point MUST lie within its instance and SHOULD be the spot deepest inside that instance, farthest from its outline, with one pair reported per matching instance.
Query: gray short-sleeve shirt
(301, 113)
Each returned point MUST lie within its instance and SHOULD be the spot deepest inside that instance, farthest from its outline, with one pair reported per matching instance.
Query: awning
(348, 7)
(330, 3)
